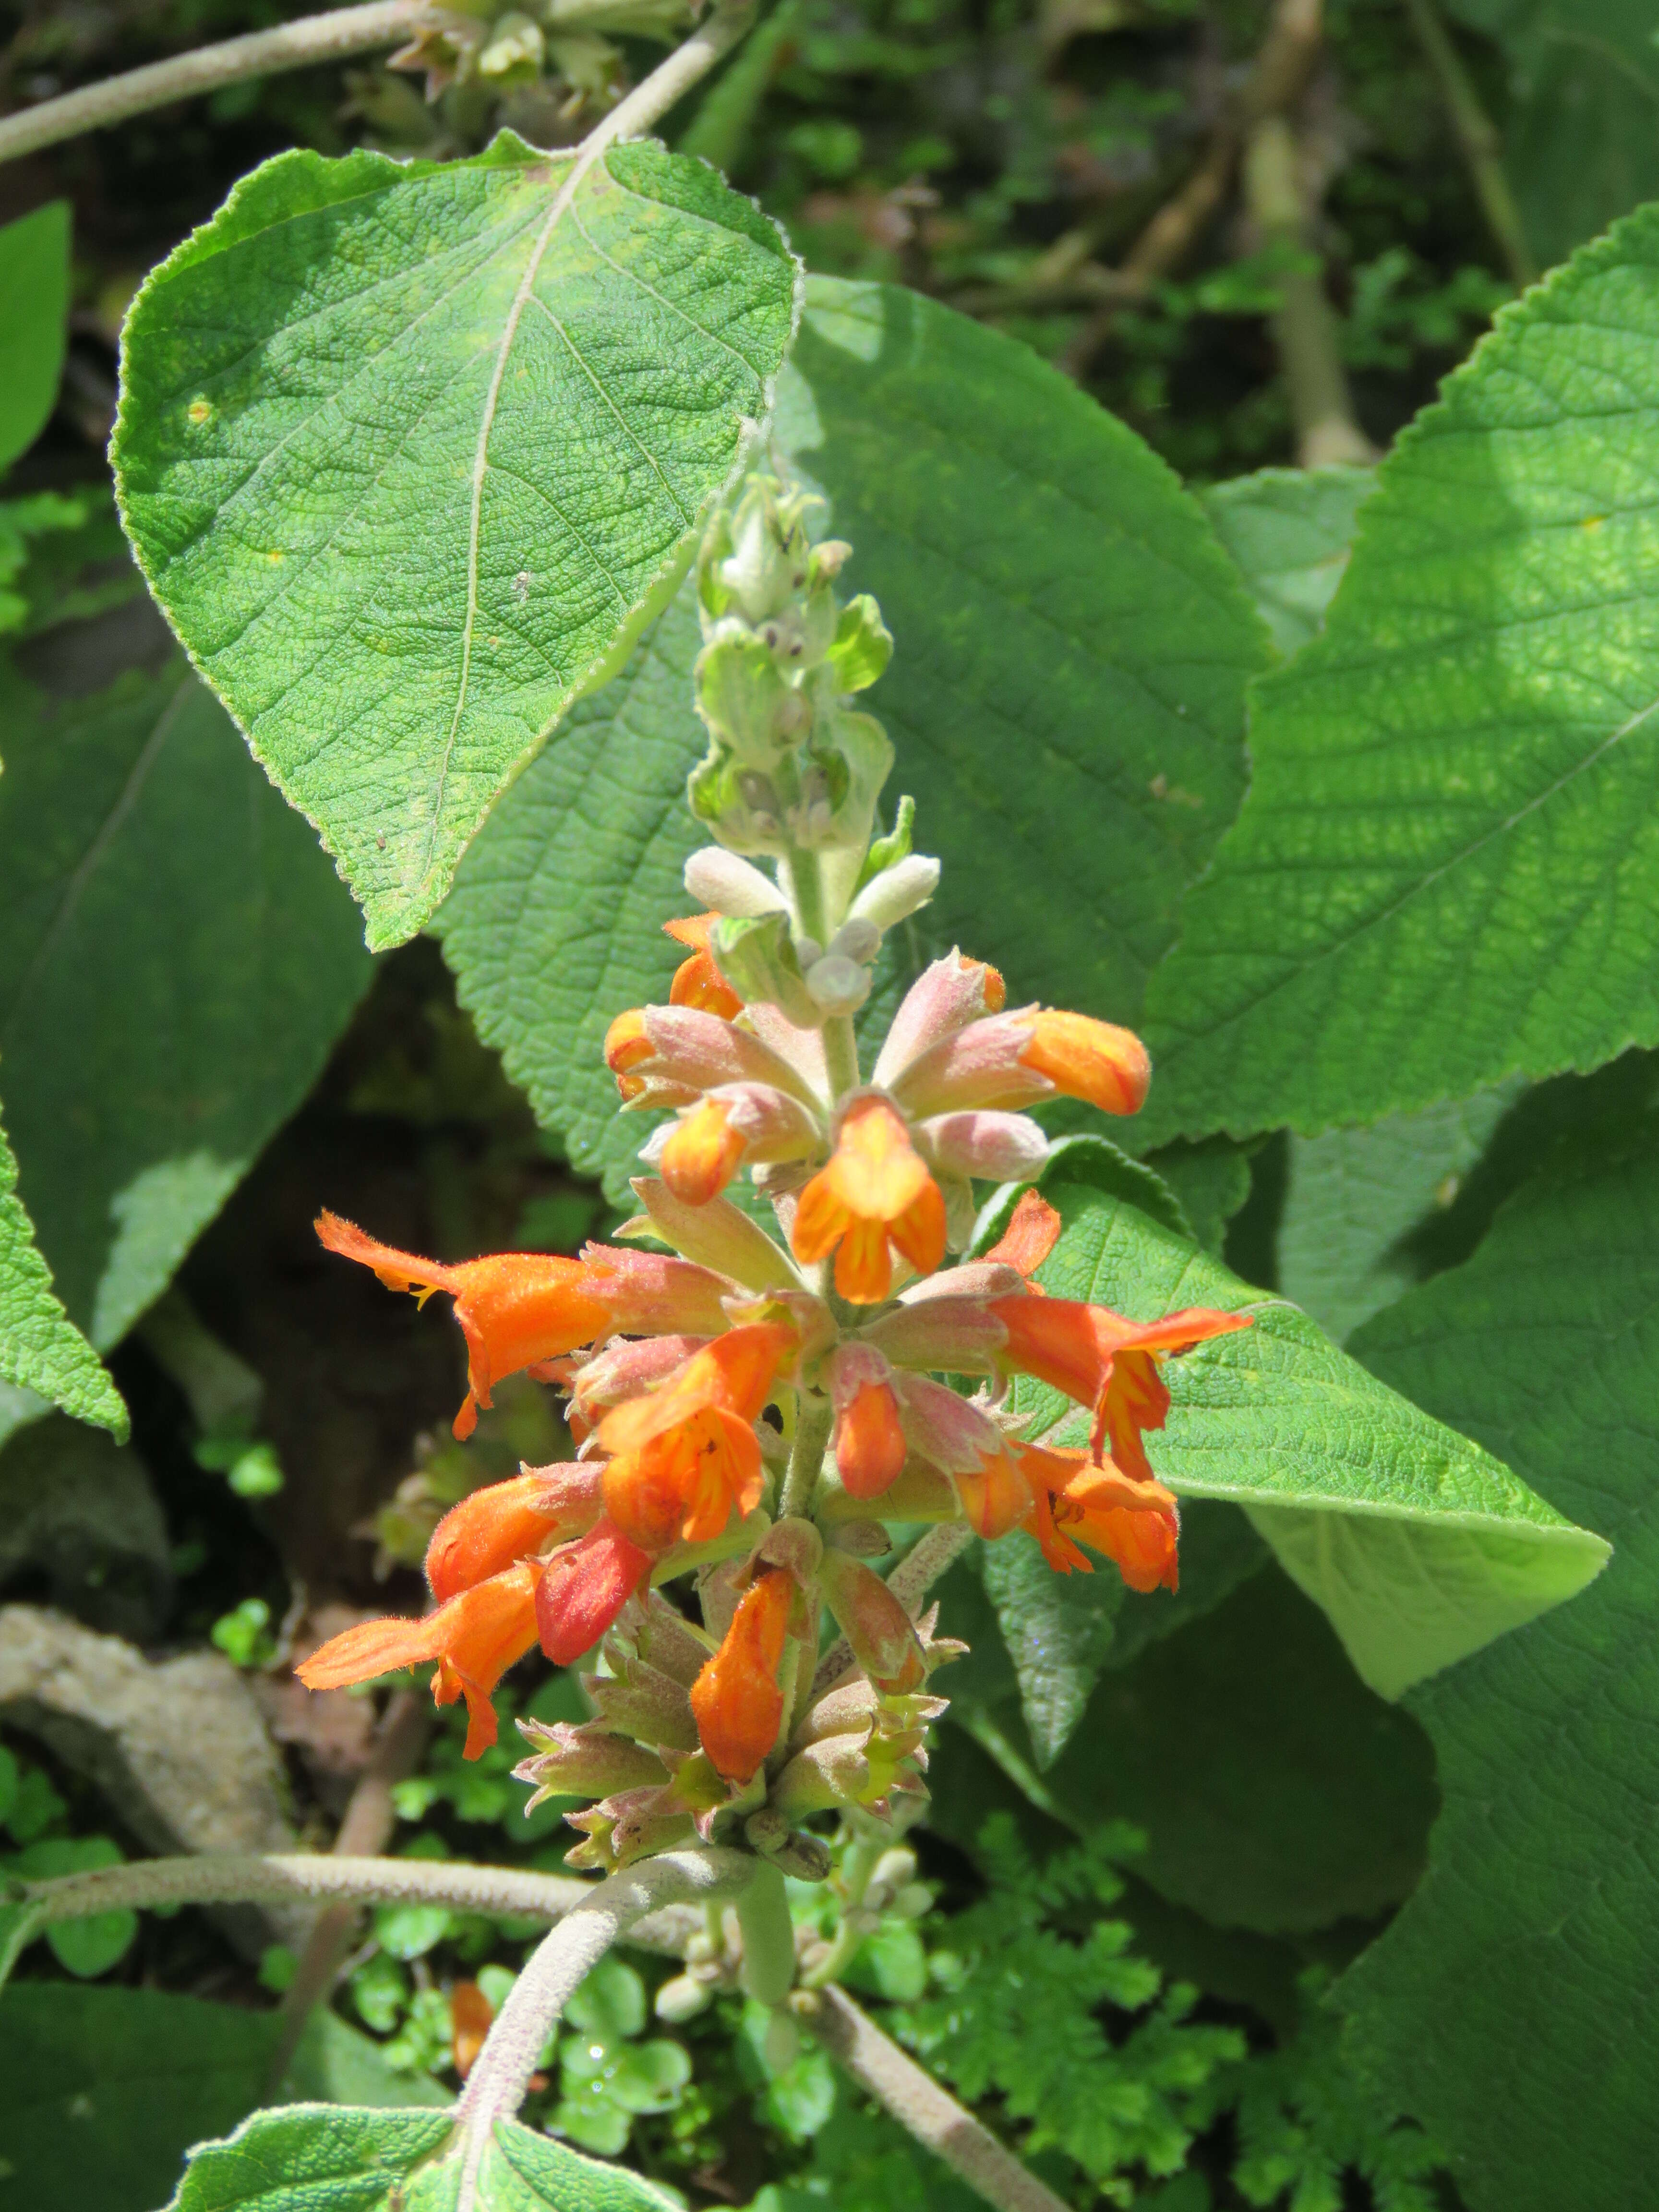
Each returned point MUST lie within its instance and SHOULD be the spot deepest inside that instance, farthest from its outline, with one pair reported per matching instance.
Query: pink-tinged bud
(640, 1700)
(1014, 1059)
(849, 1769)
(666, 1639)
(487, 1532)
(634, 1824)
(875, 1624)
(941, 1334)
(582, 1589)
(648, 1294)
(581, 1760)
(802, 1048)
(958, 1436)
(691, 1052)
(794, 1544)
(868, 1441)
(990, 1147)
(627, 1370)
(718, 1234)
(944, 999)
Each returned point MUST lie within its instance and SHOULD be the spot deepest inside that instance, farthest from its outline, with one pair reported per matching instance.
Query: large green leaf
(318, 2158)
(35, 254)
(1065, 698)
(1443, 873)
(1420, 1545)
(41, 1350)
(176, 959)
(1514, 2004)
(1290, 531)
(1581, 137)
(103, 2090)
(1353, 1197)
(410, 449)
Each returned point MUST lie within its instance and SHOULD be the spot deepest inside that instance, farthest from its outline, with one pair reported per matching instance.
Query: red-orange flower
(508, 1521)
(875, 1191)
(686, 1453)
(1137, 1524)
(515, 1309)
(583, 1588)
(869, 1442)
(995, 1497)
(1032, 1233)
(703, 1153)
(475, 1639)
(736, 1698)
(698, 982)
(1105, 1362)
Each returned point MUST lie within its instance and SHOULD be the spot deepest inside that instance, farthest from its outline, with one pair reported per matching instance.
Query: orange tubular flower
(994, 1496)
(736, 1698)
(1032, 1233)
(507, 1521)
(1105, 1362)
(475, 1639)
(869, 1443)
(687, 1453)
(703, 1153)
(514, 1308)
(697, 981)
(625, 1045)
(1136, 1524)
(876, 1190)
(1090, 1060)
(582, 1589)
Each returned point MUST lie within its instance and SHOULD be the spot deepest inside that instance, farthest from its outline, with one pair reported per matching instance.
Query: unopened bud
(766, 1831)
(682, 1999)
(856, 940)
(897, 891)
(913, 1902)
(836, 985)
(758, 958)
(895, 1869)
(727, 885)
(803, 1858)
(699, 1949)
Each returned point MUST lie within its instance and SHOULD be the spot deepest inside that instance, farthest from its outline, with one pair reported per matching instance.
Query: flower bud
(896, 1868)
(836, 985)
(763, 962)
(717, 1234)
(641, 1701)
(868, 1442)
(701, 1152)
(896, 893)
(944, 998)
(508, 1521)
(583, 1588)
(728, 885)
(986, 1146)
(581, 1760)
(882, 1634)
(682, 1999)
(863, 646)
(802, 1858)
(747, 701)
(736, 1700)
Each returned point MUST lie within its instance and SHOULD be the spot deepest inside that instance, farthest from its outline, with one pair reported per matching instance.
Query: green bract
(408, 450)
(1444, 870)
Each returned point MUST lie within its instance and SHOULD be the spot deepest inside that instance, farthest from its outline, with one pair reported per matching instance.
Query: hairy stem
(931, 2114)
(500, 2074)
(720, 30)
(1477, 136)
(841, 1055)
(814, 1418)
(335, 36)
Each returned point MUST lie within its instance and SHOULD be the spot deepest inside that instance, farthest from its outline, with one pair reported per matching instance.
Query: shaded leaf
(408, 450)
(35, 273)
(42, 1354)
(1290, 531)
(1512, 2005)
(1419, 1545)
(1445, 869)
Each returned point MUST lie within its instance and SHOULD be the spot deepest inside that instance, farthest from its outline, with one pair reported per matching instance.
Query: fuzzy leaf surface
(1065, 697)
(330, 2157)
(1445, 870)
(41, 1350)
(34, 272)
(176, 959)
(408, 450)
(1514, 2004)
(1420, 1545)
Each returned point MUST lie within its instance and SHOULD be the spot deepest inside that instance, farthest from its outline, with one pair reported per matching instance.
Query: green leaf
(41, 1350)
(1418, 1544)
(1511, 2005)
(1443, 871)
(1290, 531)
(1277, 1793)
(35, 271)
(176, 960)
(104, 2089)
(410, 450)
(1045, 579)
(1354, 1196)
(318, 2158)
(1581, 142)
